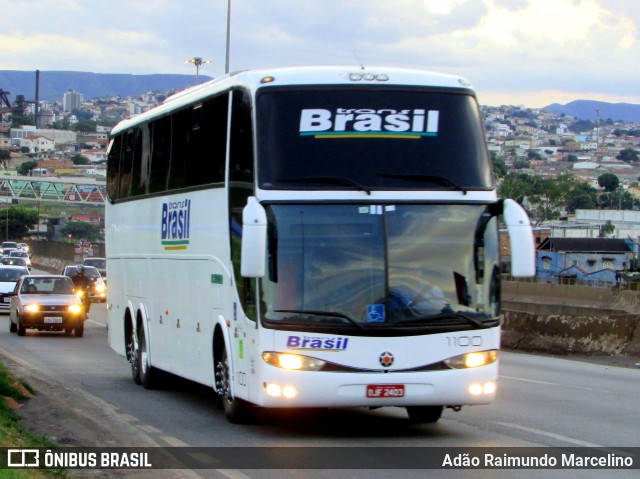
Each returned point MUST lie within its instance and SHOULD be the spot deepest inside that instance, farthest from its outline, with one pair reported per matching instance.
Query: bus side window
(241, 143)
(160, 154)
(126, 164)
(139, 170)
(241, 181)
(181, 132)
(113, 167)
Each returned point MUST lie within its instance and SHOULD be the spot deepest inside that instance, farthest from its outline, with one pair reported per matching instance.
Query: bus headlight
(75, 308)
(292, 361)
(32, 308)
(472, 360)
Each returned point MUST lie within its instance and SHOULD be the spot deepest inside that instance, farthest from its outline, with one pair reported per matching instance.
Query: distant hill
(53, 84)
(586, 110)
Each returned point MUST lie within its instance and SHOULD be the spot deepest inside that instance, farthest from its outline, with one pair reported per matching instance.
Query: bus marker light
(289, 392)
(475, 389)
(273, 390)
(486, 388)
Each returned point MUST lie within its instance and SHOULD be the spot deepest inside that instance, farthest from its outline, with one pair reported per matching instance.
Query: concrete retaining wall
(570, 319)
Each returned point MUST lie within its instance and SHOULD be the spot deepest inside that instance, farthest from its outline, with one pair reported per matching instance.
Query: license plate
(52, 319)
(7, 300)
(385, 391)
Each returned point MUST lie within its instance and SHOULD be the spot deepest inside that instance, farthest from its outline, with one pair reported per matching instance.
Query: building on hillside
(59, 136)
(71, 100)
(586, 259)
(38, 144)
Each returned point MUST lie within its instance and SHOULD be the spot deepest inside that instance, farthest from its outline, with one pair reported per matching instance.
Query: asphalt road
(542, 401)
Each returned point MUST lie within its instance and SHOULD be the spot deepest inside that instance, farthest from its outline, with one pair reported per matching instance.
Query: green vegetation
(12, 434)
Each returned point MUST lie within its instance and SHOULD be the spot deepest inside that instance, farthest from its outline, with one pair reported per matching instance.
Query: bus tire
(236, 410)
(424, 414)
(131, 351)
(148, 374)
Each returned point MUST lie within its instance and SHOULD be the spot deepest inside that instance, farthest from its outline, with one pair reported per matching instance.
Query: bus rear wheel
(148, 374)
(132, 354)
(424, 414)
(236, 410)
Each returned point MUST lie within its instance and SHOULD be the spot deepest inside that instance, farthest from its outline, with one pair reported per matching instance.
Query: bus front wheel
(424, 414)
(236, 410)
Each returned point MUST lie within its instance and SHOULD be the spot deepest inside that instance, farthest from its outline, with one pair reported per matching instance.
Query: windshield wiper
(459, 315)
(327, 314)
(438, 180)
(336, 180)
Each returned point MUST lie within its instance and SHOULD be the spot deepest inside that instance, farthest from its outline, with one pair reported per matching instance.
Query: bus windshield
(379, 266)
(370, 139)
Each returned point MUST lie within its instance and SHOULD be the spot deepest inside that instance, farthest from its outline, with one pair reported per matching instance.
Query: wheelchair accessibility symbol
(375, 313)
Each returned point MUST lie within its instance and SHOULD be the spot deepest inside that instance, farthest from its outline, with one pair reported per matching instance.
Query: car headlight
(292, 361)
(99, 288)
(32, 308)
(473, 360)
(75, 308)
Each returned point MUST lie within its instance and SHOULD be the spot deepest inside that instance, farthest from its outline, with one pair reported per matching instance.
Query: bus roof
(318, 75)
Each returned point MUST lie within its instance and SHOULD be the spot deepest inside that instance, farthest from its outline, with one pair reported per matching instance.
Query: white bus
(312, 237)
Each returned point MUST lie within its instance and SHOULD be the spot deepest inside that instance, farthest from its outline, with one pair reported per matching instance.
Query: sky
(515, 52)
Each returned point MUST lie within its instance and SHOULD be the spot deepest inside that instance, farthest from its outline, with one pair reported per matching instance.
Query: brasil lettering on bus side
(317, 343)
(175, 223)
(369, 123)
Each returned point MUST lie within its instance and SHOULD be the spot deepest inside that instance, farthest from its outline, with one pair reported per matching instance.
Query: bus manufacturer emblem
(386, 359)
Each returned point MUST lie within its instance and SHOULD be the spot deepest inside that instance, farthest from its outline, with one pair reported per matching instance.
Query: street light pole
(226, 63)
(197, 61)
(6, 222)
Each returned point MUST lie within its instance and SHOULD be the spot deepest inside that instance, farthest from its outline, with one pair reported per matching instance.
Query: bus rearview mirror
(254, 239)
(523, 261)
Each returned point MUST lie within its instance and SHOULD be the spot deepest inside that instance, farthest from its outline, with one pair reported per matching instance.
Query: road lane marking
(233, 474)
(546, 383)
(552, 435)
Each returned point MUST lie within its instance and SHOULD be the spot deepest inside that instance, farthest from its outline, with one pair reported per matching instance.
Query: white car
(9, 276)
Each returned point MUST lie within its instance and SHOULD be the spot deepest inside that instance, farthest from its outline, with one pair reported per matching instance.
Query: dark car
(98, 293)
(46, 303)
(15, 261)
(17, 253)
(99, 263)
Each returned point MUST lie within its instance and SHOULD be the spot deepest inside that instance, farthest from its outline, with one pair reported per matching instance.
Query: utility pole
(597, 131)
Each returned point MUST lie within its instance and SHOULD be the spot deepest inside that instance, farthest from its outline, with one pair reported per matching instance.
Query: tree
(21, 220)
(80, 160)
(628, 155)
(520, 164)
(609, 182)
(607, 229)
(26, 167)
(85, 126)
(499, 166)
(82, 230)
(582, 197)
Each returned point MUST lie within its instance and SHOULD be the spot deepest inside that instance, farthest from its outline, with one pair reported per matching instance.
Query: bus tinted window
(113, 167)
(241, 143)
(382, 138)
(160, 154)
